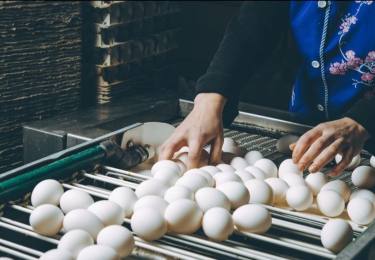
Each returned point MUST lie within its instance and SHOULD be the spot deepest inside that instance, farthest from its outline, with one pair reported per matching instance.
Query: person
(335, 83)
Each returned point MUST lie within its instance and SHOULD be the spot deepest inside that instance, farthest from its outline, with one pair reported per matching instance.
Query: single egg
(239, 163)
(372, 161)
(228, 143)
(260, 192)
(226, 157)
(151, 201)
(361, 211)
(336, 235)
(282, 145)
(299, 197)
(252, 218)
(178, 192)
(244, 175)
(279, 187)
(341, 187)
(236, 192)
(74, 241)
(315, 181)
(184, 149)
(47, 192)
(226, 168)
(98, 252)
(211, 169)
(151, 187)
(256, 172)
(46, 219)
(148, 224)
(183, 216)
(267, 166)
(288, 166)
(353, 164)
(181, 164)
(57, 254)
(209, 178)
(330, 203)
(207, 198)
(253, 156)
(193, 181)
(75, 199)
(183, 157)
(168, 175)
(362, 193)
(118, 238)
(226, 177)
(217, 224)
(109, 212)
(364, 177)
(165, 164)
(293, 179)
(238, 151)
(125, 198)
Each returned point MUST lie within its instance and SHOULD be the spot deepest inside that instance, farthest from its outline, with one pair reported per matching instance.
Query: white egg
(256, 172)
(239, 163)
(362, 193)
(293, 179)
(125, 198)
(168, 175)
(207, 198)
(217, 224)
(151, 187)
(183, 216)
(57, 254)
(74, 241)
(226, 157)
(98, 252)
(184, 149)
(315, 181)
(156, 155)
(47, 192)
(267, 166)
(165, 164)
(226, 177)
(75, 199)
(288, 166)
(83, 219)
(46, 219)
(283, 143)
(109, 212)
(205, 174)
(178, 192)
(244, 175)
(211, 169)
(260, 192)
(228, 143)
(118, 238)
(336, 235)
(183, 157)
(353, 164)
(181, 164)
(252, 218)
(253, 156)
(299, 197)
(361, 211)
(372, 161)
(238, 151)
(364, 177)
(193, 181)
(148, 224)
(279, 187)
(236, 192)
(341, 187)
(226, 168)
(151, 201)
(330, 203)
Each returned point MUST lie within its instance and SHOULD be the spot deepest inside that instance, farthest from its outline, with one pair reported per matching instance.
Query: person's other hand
(344, 136)
(202, 126)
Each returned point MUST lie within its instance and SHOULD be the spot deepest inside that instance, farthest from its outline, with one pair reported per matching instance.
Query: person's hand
(344, 136)
(202, 126)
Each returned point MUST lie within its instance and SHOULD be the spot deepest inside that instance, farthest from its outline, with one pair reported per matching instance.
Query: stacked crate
(129, 48)
(40, 68)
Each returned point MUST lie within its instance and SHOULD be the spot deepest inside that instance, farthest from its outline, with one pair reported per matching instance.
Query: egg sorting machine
(293, 235)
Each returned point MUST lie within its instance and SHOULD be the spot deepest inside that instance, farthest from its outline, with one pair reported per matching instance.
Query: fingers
(341, 166)
(169, 147)
(195, 150)
(292, 145)
(301, 147)
(215, 152)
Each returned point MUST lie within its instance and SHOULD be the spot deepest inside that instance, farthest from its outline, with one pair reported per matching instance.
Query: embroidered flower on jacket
(370, 56)
(367, 77)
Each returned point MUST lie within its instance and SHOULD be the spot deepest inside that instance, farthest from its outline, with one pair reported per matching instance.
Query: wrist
(363, 132)
(212, 100)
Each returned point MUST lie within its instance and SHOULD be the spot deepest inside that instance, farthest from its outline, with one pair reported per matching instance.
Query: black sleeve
(363, 112)
(250, 36)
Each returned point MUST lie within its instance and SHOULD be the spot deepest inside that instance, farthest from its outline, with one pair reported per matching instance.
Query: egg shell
(362, 193)
(83, 219)
(252, 218)
(211, 169)
(315, 182)
(336, 235)
(47, 192)
(236, 192)
(267, 166)
(361, 211)
(225, 177)
(184, 149)
(109, 212)
(279, 188)
(75, 199)
(217, 224)
(125, 198)
(178, 192)
(46, 219)
(288, 166)
(238, 151)
(340, 186)
(183, 157)
(282, 145)
(330, 203)
(193, 181)
(57, 254)
(260, 192)
(183, 216)
(181, 164)
(207, 198)
(239, 163)
(226, 168)
(253, 156)
(299, 197)
(353, 164)
(74, 241)
(151, 187)
(364, 177)
(118, 238)
(372, 161)
(256, 172)
(165, 164)
(98, 252)
(244, 175)
(228, 143)
(151, 201)
(293, 179)
(167, 175)
(205, 174)
(226, 157)
(148, 224)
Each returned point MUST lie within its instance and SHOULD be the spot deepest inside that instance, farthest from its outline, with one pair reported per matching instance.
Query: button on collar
(315, 64)
(320, 107)
(322, 4)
